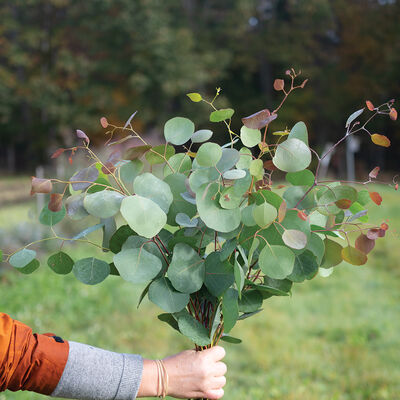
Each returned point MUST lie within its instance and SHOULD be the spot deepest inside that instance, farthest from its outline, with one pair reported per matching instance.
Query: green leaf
(91, 270)
(98, 185)
(294, 194)
(186, 270)
(136, 152)
(292, 155)
(239, 277)
(250, 137)
(159, 154)
(221, 115)
(103, 204)
(227, 249)
(31, 267)
(248, 315)
(230, 339)
(130, 170)
(195, 97)
(254, 245)
(74, 207)
(358, 212)
(257, 169)
(212, 214)
(267, 291)
(119, 238)
(170, 320)
(294, 239)
(305, 267)
(264, 214)
(229, 199)
(178, 130)
(276, 261)
(245, 158)
(229, 159)
(353, 116)
(87, 231)
(149, 186)
(316, 246)
(202, 176)
(268, 196)
(201, 136)
(61, 263)
(219, 274)
(137, 265)
(301, 178)
(143, 215)
(180, 163)
(230, 309)
(163, 294)
(22, 258)
(354, 256)
(363, 197)
(184, 220)
(283, 285)
(234, 174)
(51, 218)
(251, 301)
(194, 330)
(209, 154)
(333, 254)
(326, 202)
(247, 215)
(299, 131)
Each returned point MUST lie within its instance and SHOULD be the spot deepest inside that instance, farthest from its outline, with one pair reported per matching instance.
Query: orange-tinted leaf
(104, 122)
(370, 106)
(279, 84)
(376, 198)
(304, 83)
(380, 140)
(70, 159)
(282, 211)
(302, 215)
(344, 204)
(259, 119)
(269, 165)
(396, 186)
(57, 153)
(384, 226)
(40, 185)
(55, 203)
(393, 114)
(354, 256)
(82, 135)
(364, 244)
(374, 172)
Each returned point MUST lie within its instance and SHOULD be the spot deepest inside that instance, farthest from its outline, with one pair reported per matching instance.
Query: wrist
(149, 383)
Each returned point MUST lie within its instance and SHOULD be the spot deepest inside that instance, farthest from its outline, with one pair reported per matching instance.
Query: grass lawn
(335, 338)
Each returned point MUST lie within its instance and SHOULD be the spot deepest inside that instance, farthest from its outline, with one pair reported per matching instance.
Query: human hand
(192, 374)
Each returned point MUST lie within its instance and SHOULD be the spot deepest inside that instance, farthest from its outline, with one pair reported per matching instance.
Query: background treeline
(66, 63)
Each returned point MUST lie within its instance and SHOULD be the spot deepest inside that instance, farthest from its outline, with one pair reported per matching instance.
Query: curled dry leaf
(40, 185)
(259, 120)
(370, 106)
(393, 114)
(364, 243)
(374, 172)
(279, 84)
(104, 122)
(380, 140)
(55, 203)
(82, 135)
(375, 197)
(57, 153)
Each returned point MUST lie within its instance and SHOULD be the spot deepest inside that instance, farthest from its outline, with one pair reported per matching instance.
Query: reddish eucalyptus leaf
(364, 244)
(370, 106)
(354, 256)
(304, 83)
(374, 173)
(375, 233)
(55, 203)
(279, 84)
(376, 198)
(384, 226)
(109, 165)
(57, 153)
(104, 122)
(344, 204)
(380, 140)
(40, 185)
(396, 186)
(108, 168)
(302, 215)
(259, 119)
(282, 211)
(82, 135)
(269, 165)
(393, 114)
(280, 186)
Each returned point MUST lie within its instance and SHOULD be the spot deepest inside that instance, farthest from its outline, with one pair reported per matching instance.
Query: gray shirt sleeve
(95, 374)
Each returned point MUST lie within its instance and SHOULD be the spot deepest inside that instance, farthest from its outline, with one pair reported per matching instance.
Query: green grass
(335, 338)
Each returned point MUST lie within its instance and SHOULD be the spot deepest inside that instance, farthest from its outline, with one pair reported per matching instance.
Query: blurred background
(66, 63)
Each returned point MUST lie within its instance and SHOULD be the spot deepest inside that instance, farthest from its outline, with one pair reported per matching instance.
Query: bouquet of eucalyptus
(208, 231)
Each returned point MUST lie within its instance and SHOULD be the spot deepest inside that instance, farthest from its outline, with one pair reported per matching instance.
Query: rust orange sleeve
(29, 361)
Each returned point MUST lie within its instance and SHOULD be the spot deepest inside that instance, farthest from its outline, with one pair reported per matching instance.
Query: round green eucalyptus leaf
(91, 270)
(201, 176)
(305, 267)
(277, 262)
(143, 215)
(137, 265)
(178, 130)
(119, 237)
(186, 270)
(212, 214)
(245, 158)
(201, 136)
(316, 245)
(149, 186)
(163, 294)
(180, 162)
(247, 215)
(234, 174)
(257, 169)
(219, 275)
(159, 154)
(268, 196)
(301, 178)
(61, 263)
(31, 267)
(130, 170)
(209, 154)
(294, 238)
(242, 185)
(75, 208)
(294, 194)
(228, 159)
(103, 204)
(22, 258)
(194, 330)
(363, 197)
(299, 131)
(292, 155)
(264, 214)
(292, 221)
(229, 199)
(221, 115)
(354, 256)
(250, 137)
(51, 218)
(332, 255)
(183, 220)
(250, 301)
